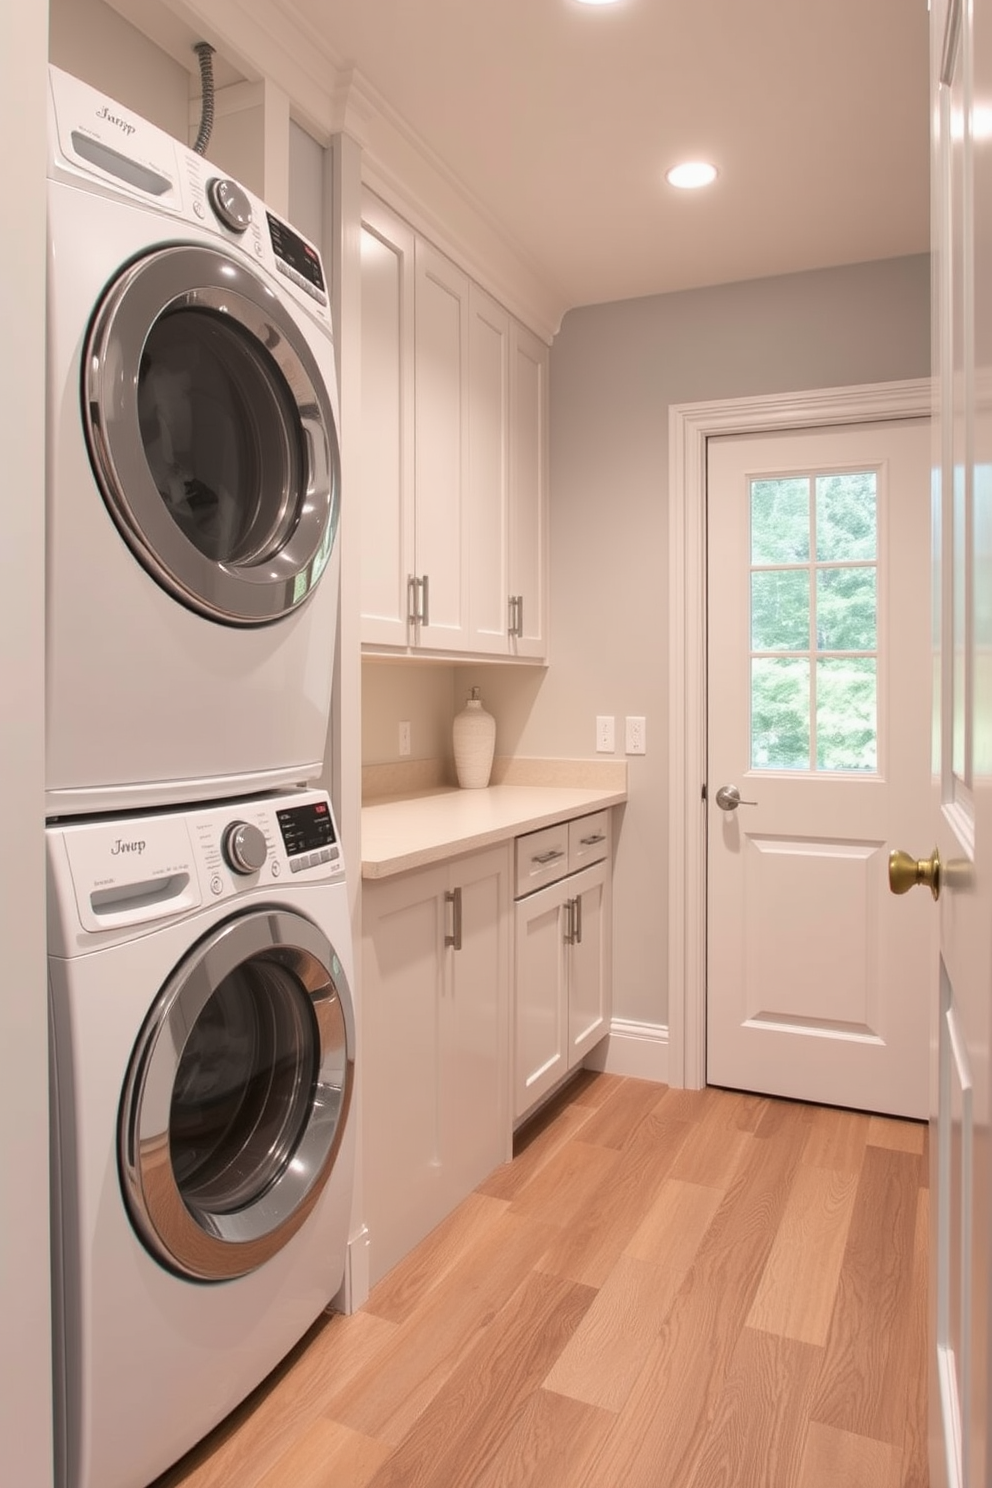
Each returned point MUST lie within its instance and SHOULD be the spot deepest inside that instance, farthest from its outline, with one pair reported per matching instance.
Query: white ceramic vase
(474, 740)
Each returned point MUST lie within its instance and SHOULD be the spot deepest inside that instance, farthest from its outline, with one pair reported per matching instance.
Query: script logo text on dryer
(120, 846)
(122, 124)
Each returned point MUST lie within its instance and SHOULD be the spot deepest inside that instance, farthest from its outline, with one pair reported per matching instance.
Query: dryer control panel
(146, 867)
(121, 154)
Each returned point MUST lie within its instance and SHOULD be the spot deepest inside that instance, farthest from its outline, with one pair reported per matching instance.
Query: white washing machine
(193, 475)
(203, 1047)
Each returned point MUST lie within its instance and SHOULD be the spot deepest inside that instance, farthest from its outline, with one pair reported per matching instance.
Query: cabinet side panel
(529, 488)
(385, 502)
(473, 1038)
(403, 969)
(441, 341)
(590, 979)
(540, 1000)
(489, 329)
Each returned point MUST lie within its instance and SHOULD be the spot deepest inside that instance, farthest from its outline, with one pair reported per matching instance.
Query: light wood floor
(664, 1289)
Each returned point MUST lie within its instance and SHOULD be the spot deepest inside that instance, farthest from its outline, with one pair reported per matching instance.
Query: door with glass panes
(819, 684)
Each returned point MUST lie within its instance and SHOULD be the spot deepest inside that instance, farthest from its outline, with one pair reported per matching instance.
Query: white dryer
(203, 1048)
(193, 475)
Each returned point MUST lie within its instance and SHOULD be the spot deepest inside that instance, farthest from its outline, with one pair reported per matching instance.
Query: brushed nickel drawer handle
(548, 857)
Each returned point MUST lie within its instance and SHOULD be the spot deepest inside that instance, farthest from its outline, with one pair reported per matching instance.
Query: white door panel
(816, 975)
(961, 821)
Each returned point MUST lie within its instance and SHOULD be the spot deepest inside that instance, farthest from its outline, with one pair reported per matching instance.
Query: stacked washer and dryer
(203, 1031)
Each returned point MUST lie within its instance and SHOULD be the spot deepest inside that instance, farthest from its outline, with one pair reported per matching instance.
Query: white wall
(615, 369)
(94, 43)
(25, 1333)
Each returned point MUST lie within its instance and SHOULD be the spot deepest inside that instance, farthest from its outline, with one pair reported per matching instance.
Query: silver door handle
(454, 898)
(728, 798)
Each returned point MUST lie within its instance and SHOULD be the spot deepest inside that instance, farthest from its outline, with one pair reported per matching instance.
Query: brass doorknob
(906, 872)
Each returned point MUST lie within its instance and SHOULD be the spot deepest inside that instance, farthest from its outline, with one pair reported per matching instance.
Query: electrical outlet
(636, 736)
(404, 739)
(605, 736)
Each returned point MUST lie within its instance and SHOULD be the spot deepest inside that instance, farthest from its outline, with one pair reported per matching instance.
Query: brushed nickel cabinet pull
(454, 898)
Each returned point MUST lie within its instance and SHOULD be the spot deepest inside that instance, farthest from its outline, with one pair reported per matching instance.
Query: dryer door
(211, 434)
(237, 1095)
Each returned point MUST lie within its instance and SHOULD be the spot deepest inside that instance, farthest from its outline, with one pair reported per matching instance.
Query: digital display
(306, 828)
(290, 247)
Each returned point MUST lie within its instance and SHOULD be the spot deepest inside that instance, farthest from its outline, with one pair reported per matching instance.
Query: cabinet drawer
(542, 857)
(588, 840)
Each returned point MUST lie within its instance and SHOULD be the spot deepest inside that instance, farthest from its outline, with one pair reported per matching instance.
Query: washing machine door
(211, 434)
(237, 1095)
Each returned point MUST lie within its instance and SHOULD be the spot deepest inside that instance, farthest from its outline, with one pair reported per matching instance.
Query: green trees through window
(814, 622)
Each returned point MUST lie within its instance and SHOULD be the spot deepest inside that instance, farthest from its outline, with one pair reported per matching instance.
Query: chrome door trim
(212, 1245)
(276, 573)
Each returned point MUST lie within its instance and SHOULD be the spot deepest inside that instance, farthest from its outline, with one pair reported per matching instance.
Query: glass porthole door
(236, 1096)
(211, 434)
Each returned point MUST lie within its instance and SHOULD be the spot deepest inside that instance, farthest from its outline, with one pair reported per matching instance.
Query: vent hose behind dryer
(205, 52)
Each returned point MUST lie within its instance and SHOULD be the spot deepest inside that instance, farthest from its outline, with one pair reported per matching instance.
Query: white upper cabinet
(441, 535)
(387, 432)
(454, 445)
(487, 507)
(528, 492)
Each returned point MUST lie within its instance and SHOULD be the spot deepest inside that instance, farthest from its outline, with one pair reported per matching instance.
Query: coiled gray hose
(205, 52)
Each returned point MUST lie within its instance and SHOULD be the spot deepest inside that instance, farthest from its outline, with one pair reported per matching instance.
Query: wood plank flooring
(664, 1289)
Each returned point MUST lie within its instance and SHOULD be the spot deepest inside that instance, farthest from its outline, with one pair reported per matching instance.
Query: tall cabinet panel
(528, 491)
(488, 491)
(435, 1107)
(441, 448)
(387, 500)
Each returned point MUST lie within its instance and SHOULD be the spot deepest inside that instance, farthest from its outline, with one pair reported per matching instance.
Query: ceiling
(560, 120)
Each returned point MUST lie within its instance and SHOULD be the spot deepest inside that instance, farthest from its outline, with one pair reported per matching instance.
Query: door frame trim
(690, 425)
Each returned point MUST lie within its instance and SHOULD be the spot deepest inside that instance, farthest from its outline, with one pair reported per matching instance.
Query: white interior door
(819, 715)
(960, 1230)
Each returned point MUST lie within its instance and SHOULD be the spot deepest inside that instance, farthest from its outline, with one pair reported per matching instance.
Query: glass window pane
(780, 610)
(846, 517)
(780, 520)
(846, 609)
(779, 713)
(847, 713)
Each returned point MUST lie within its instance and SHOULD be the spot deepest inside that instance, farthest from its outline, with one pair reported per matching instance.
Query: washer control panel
(147, 866)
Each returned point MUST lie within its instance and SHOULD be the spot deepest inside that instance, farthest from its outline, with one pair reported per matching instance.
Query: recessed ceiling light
(597, 2)
(691, 174)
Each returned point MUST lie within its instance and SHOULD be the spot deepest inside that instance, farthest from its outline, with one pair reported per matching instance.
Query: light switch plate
(605, 735)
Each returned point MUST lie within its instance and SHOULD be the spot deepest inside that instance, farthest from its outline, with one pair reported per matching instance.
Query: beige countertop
(424, 827)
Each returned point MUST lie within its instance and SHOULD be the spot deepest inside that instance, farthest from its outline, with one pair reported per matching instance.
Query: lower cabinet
(436, 1017)
(562, 955)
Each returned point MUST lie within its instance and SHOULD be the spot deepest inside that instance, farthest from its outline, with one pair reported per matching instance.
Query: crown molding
(269, 39)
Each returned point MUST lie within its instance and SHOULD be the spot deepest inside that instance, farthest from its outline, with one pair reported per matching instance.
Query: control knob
(244, 847)
(230, 203)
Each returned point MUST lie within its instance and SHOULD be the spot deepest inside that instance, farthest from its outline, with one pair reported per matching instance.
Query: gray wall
(615, 369)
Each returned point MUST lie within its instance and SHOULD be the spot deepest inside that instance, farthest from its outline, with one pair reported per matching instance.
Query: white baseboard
(636, 1049)
(354, 1290)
